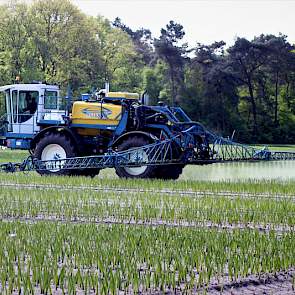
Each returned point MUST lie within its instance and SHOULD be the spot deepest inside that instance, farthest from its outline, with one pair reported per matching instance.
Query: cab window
(14, 105)
(50, 100)
(3, 109)
(27, 105)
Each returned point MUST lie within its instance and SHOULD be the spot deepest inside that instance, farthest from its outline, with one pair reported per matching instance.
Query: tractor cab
(26, 108)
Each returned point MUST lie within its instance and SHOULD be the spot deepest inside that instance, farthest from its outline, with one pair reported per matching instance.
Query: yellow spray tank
(100, 114)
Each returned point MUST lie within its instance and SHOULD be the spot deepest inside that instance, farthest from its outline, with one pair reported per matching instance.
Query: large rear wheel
(146, 171)
(171, 171)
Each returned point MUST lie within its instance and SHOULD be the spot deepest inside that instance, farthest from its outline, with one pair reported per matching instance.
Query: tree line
(248, 87)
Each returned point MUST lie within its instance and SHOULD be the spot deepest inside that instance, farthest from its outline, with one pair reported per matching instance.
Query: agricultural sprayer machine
(110, 130)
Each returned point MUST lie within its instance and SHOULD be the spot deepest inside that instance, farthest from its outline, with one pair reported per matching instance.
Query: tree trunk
(276, 99)
(253, 106)
(172, 85)
(287, 93)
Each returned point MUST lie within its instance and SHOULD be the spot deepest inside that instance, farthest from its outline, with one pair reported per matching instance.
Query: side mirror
(145, 99)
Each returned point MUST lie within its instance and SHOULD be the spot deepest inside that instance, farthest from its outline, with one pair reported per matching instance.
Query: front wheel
(146, 171)
(54, 146)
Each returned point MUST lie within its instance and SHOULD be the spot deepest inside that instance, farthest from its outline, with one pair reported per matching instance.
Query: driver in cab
(31, 104)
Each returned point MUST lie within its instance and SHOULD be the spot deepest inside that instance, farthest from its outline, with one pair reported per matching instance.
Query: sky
(204, 21)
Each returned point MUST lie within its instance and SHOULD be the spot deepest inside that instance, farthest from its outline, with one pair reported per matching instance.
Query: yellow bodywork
(126, 95)
(88, 117)
(95, 113)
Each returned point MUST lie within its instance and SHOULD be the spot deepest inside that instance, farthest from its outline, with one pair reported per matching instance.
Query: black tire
(54, 139)
(90, 172)
(169, 172)
(68, 146)
(126, 172)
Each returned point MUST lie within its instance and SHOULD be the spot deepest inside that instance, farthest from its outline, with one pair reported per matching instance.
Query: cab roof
(35, 86)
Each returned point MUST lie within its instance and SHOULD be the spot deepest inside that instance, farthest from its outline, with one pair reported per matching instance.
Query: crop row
(178, 193)
(106, 259)
(251, 186)
(92, 206)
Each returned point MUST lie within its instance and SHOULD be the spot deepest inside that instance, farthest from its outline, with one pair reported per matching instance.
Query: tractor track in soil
(278, 283)
(282, 282)
(278, 229)
(176, 192)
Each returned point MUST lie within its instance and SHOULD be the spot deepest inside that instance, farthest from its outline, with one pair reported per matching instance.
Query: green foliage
(13, 35)
(154, 80)
(55, 42)
(118, 55)
(65, 43)
(167, 49)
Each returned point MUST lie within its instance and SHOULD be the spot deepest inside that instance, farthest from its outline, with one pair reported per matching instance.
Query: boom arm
(159, 153)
